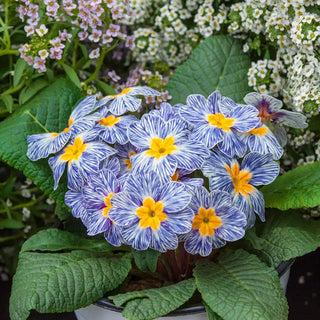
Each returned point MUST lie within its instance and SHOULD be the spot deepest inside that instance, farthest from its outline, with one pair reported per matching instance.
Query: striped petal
(246, 118)
(138, 238)
(256, 99)
(261, 167)
(174, 197)
(143, 91)
(207, 134)
(85, 107)
(57, 166)
(180, 222)
(113, 235)
(124, 103)
(163, 239)
(291, 119)
(233, 144)
(197, 244)
(74, 200)
(41, 145)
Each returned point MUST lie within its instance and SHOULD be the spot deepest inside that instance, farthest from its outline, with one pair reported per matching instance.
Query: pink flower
(113, 30)
(95, 36)
(64, 35)
(29, 30)
(39, 65)
(29, 60)
(57, 45)
(83, 35)
(106, 38)
(55, 54)
(94, 54)
(114, 77)
(130, 42)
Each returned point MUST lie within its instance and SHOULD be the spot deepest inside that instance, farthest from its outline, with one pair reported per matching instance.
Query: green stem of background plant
(23, 205)
(17, 88)
(8, 51)
(6, 209)
(15, 236)
(100, 62)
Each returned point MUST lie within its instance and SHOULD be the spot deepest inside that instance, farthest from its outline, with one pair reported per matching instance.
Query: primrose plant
(166, 201)
(140, 181)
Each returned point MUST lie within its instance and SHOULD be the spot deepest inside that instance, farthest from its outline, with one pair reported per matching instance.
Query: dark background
(303, 293)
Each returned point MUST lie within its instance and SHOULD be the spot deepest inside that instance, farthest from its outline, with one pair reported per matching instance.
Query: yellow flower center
(218, 120)
(127, 161)
(161, 147)
(241, 179)
(151, 214)
(70, 122)
(206, 221)
(123, 92)
(175, 177)
(74, 151)
(108, 204)
(109, 121)
(259, 131)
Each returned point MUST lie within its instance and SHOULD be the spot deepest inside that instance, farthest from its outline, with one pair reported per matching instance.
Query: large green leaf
(240, 287)
(295, 189)
(284, 236)
(153, 303)
(56, 240)
(146, 260)
(48, 112)
(57, 282)
(218, 63)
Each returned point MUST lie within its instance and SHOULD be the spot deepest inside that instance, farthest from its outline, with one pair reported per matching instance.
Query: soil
(303, 293)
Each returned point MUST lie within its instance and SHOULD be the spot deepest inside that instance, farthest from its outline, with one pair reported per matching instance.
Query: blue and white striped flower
(74, 200)
(226, 174)
(41, 145)
(270, 111)
(112, 128)
(97, 195)
(166, 111)
(165, 146)
(83, 156)
(181, 175)
(219, 121)
(263, 141)
(125, 152)
(151, 213)
(216, 221)
(127, 99)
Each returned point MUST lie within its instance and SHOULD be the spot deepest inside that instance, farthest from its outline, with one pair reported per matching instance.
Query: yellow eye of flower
(128, 161)
(108, 206)
(123, 92)
(74, 152)
(240, 179)
(151, 214)
(161, 147)
(109, 121)
(259, 131)
(206, 221)
(219, 120)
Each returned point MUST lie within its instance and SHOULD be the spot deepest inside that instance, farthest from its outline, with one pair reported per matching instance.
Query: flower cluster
(140, 181)
(92, 25)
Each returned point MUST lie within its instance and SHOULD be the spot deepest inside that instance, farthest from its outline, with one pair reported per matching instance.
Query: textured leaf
(28, 92)
(62, 212)
(285, 235)
(218, 63)
(48, 112)
(211, 315)
(56, 282)
(146, 260)
(56, 240)
(153, 303)
(18, 71)
(297, 188)
(240, 287)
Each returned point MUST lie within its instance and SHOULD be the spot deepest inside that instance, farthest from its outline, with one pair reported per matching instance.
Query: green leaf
(284, 236)
(47, 112)
(108, 90)
(297, 188)
(211, 315)
(58, 282)
(57, 240)
(239, 286)
(62, 212)
(28, 92)
(153, 303)
(8, 101)
(84, 50)
(11, 224)
(18, 71)
(5, 28)
(72, 75)
(146, 260)
(218, 63)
